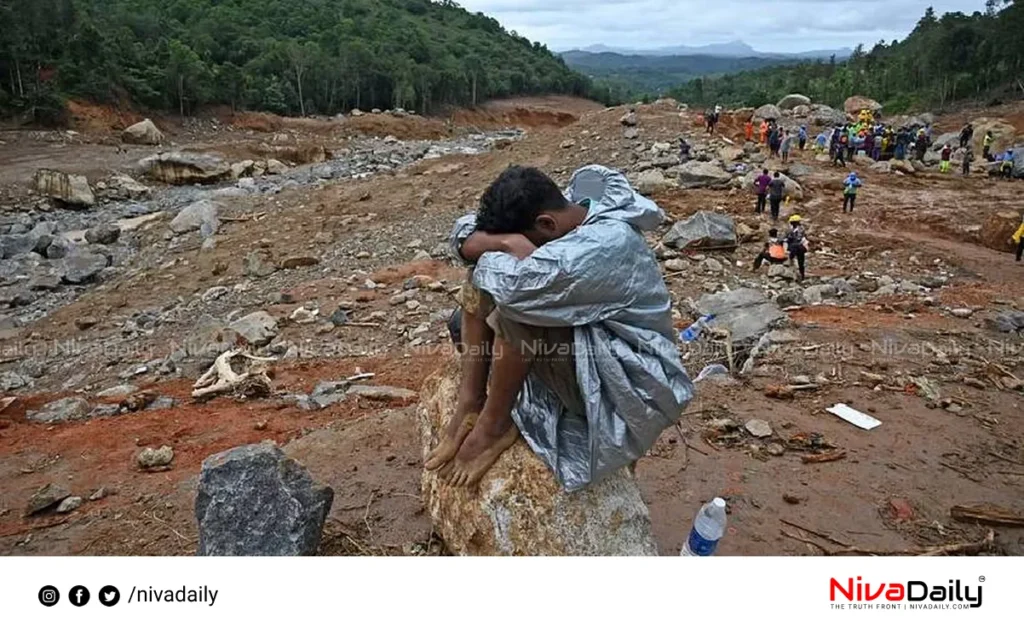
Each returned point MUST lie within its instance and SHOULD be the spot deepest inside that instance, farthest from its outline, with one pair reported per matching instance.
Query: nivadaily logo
(913, 594)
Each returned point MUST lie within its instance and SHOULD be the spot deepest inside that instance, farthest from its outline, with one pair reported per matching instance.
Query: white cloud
(782, 26)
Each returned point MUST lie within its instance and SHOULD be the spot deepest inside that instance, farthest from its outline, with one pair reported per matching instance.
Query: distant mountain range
(736, 48)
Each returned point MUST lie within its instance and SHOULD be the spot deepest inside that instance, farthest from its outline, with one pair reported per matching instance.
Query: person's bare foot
(462, 423)
(480, 450)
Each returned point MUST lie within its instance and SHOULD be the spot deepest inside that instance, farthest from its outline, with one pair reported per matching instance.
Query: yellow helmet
(795, 218)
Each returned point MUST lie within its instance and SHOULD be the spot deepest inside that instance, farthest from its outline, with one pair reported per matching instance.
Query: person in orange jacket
(748, 130)
(764, 132)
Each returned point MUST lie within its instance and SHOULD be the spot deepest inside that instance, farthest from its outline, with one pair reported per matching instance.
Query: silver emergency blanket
(604, 282)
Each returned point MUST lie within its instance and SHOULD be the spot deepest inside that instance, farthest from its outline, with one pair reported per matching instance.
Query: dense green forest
(943, 60)
(637, 75)
(284, 56)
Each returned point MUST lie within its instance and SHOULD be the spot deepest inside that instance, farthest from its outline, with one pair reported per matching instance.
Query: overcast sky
(784, 26)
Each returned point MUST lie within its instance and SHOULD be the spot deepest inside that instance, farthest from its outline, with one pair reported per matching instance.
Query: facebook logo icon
(79, 596)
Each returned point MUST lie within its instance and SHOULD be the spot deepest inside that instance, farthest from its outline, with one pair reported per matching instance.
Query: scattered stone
(104, 411)
(712, 266)
(143, 133)
(9, 381)
(118, 391)
(257, 328)
(566, 144)
(696, 174)
(901, 510)
(1008, 322)
(780, 271)
(421, 256)
(214, 293)
(791, 499)
(255, 501)
(676, 265)
(256, 264)
(746, 313)
(304, 316)
(758, 428)
(101, 493)
(70, 504)
(629, 119)
(704, 229)
(45, 498)
(103, 234)
(631, 133)
(203, 216)
(276, 167)
(72, 190)
(63, 410)
(81, 265)
(383, 393)
(768, 112)
(791, 101)
(339, 317)
(151, 458)
(962, 313)
(86, 322)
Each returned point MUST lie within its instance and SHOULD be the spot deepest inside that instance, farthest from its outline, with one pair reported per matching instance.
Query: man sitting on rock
(566, 332)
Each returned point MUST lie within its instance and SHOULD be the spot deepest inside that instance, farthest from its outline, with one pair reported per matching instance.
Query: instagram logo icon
(49, 596)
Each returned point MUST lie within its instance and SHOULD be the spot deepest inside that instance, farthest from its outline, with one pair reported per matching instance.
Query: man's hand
(518, 246)
(514, 244)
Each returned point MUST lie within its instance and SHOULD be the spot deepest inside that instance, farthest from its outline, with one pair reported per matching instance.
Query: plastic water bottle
(708, 529)
(691, 333)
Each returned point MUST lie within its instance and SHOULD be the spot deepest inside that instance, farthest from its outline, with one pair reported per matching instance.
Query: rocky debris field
(314, 294)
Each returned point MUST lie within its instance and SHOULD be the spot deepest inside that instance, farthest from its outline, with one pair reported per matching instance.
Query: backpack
(776, 251)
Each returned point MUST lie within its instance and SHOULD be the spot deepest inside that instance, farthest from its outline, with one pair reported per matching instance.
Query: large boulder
(143, 133)
(901, 166)
(103, 234)
(81, 265)
(72, 190)
(704, 229)
(64, 410)
(768, 112)
(255, 501)
(998, 228)
(257, 328)
(519, 509)
(203, 216)
(695, 174)
(745, 313)
(953, 138)
(17, 244)
(1003, 135)
(855, 104)
(791, 101)
(181, 168)
(651, 182)
(827, 116)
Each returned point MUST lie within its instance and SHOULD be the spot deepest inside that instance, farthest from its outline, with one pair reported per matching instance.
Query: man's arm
(478, 243)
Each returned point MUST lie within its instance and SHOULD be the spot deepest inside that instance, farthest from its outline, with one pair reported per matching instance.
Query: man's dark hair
(773, 233)
(765, 172)
(512, 203)
(777, 174)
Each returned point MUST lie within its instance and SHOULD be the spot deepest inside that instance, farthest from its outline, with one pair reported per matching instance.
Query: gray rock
(257, 328)
(780, 271)
(790, 297)
(791, 101)
(704, 229)
(629, 119)
(255, 501)
(746, 313)
(118, 391)
(799, 170)
(9, 381)
(758, 428)
(155, 458)
(962, 313)
(767, 112)
(676, 265)
(1007, 322)
(71, 190)
(162, 402)
(865, 284)
(105, 411)
(373, 392)
(843, 288)
(81, 265)
(101, 493)
(818, 293)
(203, 216)
(327, 393)
(11, 245)
(651, 182)
(256, 264)
(214, 293)
(44, 282)
(712, 266)
(103, 234)
(695, 174)
(339, 317)
(824, 115)
(953, 138)
(45, 498)
(19, 299)
(70, 504)
(58, 248)
(64, 410)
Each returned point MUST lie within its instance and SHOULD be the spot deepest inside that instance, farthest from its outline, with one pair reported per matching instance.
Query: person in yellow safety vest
(1018, 238)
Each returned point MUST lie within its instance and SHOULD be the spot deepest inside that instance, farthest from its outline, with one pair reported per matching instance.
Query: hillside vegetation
(944, 59)
(283, 56)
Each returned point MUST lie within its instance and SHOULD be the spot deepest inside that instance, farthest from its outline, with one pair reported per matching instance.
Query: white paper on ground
(854, 417)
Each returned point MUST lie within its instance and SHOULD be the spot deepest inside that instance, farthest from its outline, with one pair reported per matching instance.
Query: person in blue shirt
(802, 135)
(1006, 169)
(850, 187)
(821, 143)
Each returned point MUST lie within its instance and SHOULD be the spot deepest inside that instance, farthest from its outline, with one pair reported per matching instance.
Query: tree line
(282, 56)
(943, 60)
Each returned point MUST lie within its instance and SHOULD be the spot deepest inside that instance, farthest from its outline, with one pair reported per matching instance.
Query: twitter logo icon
(109, 596)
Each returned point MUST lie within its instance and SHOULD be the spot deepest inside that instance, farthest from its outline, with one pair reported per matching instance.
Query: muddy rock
(45, 498)
(258, 328)
(151, 458)
(881, 167)
(143, 133)
(70, 504)
(103, 234)
(631, 133)
(746, 313)
(64, 410)
(704, 229)
(629, 119)
(855, 104)
(758, 428)
(127, 187)
(182, 168)
(781, 271)
(695, 174)
(651, 182)
(81, 265)
(901, 166)
(520, 510)
(818, 293)
(299, 261)
(72, 190)
(384, 393)
(256, 264)
(998, 228)
(768, 112)
(203, 216)
(255, 501)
